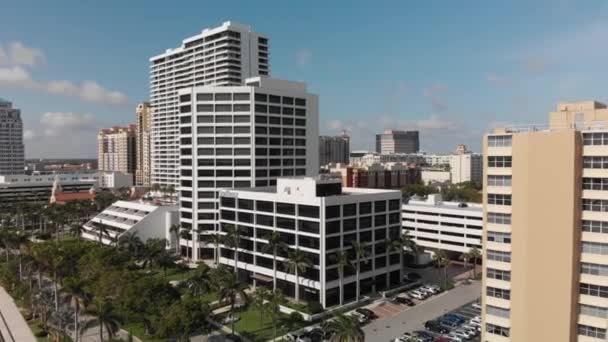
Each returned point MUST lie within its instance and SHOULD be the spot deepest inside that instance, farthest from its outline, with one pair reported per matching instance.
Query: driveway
(394, 325)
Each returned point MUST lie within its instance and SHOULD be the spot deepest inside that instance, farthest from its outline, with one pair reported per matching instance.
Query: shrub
(314, 307)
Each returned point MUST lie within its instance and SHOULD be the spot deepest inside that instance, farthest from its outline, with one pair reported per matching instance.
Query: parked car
(469, 328)
(476, 319)
(367, 313)
(459, 319)
(431, 288)
(360, 317)
(403, 299)
(476, 306)
(425, 336)
(417, 295)
(455, 338)
(435, 326)
(466, 335)
(316, 335)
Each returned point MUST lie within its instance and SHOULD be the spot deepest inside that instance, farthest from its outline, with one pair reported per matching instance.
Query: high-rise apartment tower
(334, 149)
(391, 142)
(143, 144)
(220, 56)
(116, 149)
(546, 229)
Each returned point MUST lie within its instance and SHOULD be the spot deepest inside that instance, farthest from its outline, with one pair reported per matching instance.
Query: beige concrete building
(116, 149)
(144, 128)
(546, 229)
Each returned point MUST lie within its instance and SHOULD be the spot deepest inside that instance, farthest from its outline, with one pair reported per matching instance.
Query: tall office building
(116, 149)
(240, 137)
(466, 166)
(391, 142)
(221, 56)
(143, 144)
(334, 149)
(546, 229)
(12, 155)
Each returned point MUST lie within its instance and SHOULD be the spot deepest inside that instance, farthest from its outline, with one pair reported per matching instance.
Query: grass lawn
(137, 330)
(250, 326)
(172, 273)
(36, 329)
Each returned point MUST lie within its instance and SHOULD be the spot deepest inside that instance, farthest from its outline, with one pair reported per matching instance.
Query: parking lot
(396, 319)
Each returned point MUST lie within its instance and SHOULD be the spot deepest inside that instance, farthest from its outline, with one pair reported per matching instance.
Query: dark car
(367, 313)
(454, 317)
(404, 300)
(425, 336)
(435, 326)
(316, 335)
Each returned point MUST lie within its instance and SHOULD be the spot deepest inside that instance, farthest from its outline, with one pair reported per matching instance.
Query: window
(499, 199)
(498, 293)
(499, 218)
(499, 161)
(595, 248)
(223, 97)
(379, 206)
(365, 208)
(349, 209)
(595, 183)
(595, 205)
(184, 98)
(496, 311)
(287, 100)
(204, 97)
(332, 212)
(499, 256)
(594, 311)
(499, 180)
(265, 206)
(241, 97)
(286, 208)
(499, 140)
(586, 330)
(497, 330)
(595, 138)
(241, 130)
(223, 108)
(593, 290)
(261, 97)
(594, 269)
(499, 237)
(595, 226)
(595, 162)
(308, 211)
(498, 274)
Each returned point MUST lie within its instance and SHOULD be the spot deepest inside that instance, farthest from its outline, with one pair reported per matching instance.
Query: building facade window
(499, 180)
(499, 237)
(499, 256)
(499, 161)
(498, 293)
(597, 138)
(597, 248)
(499, 140)
(498, 274)
(499, 199)
(595, 183)
(595, 162)
(499, 218)
(595, 226)
(586, 330)
(497, 330)
(595, 205)
(498, 312)
(593, 290)
(591, 310)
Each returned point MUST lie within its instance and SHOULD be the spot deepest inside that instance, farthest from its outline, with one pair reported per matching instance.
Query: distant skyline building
(116, 149)
(240, 137)
(220, 56)
(466, 166)
(546, 228)
(12, 151)
(391, 142)
(334, 149)
(143, 144)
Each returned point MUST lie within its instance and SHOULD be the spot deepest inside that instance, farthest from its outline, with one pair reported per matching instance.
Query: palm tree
(465, 257)
(77, 296)
(166, 260)
(273, 245)
(360, 253)
(273, 301)
(105, 317)
(474, 254)
(130, 242)
(259, 301)
(76, 229)
(186, 234)
(232, 239)
(174, 229)
(199, 282)
(341, 259)
(232, 290)
(102, 229)
(442, 261)
(345, 328)
(20, 240)
(406, 245)
(296, 263)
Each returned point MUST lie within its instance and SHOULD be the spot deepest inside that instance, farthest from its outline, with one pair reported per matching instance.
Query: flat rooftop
(471, 207)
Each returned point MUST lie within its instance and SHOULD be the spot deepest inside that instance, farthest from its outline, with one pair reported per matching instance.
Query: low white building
(319, 218)
(38, 187)
(449, 226)
(145, 219)
(434, 176)
(114, 179)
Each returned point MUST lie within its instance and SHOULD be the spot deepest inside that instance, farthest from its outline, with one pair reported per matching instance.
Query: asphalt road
(413, 318)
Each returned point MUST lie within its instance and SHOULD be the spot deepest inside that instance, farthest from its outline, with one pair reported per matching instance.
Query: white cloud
(14, 75)
(56, 124)
(29, 134)
(303, 57)
(434, 93)
(20, 54)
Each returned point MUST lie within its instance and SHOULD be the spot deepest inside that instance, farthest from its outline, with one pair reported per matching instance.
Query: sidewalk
(13, 326)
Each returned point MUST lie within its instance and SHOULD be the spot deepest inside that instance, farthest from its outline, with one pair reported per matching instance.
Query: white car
(361, 318)
(433, 289)
(476, 306)
(230, 318)
(476, 319)
(455, 338)
(417, 294)
(469, 328)
(464, 333)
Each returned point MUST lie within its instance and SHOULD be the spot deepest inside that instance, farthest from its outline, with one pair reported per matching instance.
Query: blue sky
(450, 69)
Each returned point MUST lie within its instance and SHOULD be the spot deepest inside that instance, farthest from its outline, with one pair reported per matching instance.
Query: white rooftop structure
(145, 219)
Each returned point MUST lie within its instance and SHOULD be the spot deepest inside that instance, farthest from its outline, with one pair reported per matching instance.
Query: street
(413, 318)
